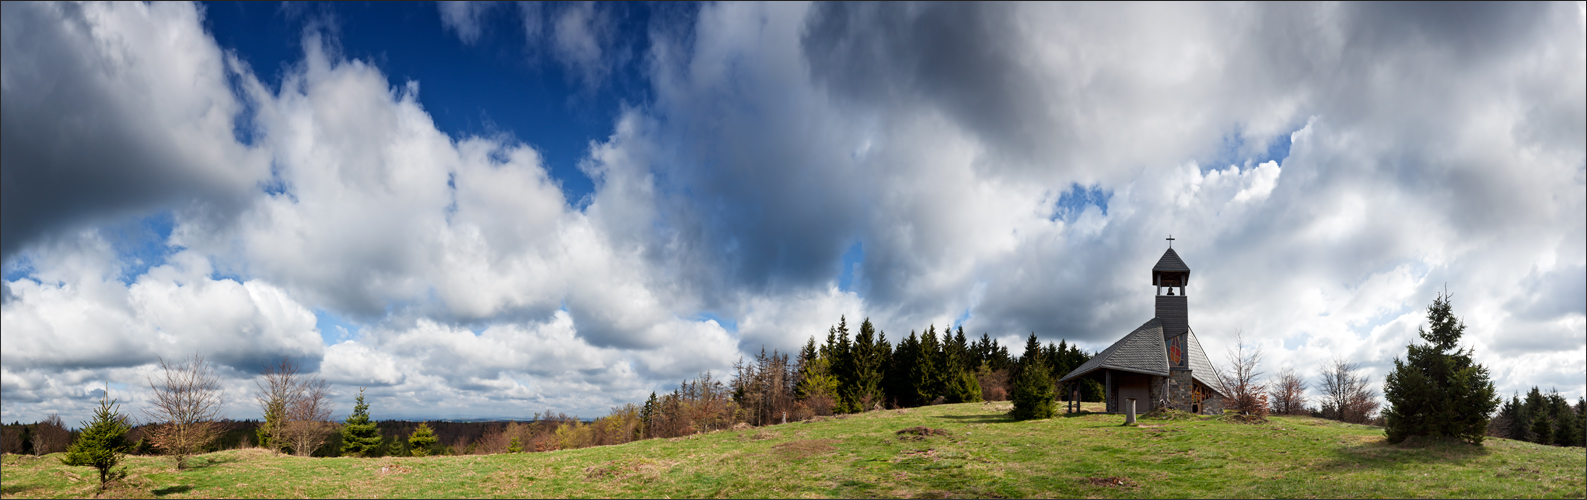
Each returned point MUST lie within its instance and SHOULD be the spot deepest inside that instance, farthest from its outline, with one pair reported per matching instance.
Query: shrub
(1246, 396)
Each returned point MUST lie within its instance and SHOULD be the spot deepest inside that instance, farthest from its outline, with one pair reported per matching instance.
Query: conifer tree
(924, 376)
(1033, 389)
(962, 347)
(963, 388)
(901, 387)
(1438, 390)
(648, 413)
(959, 383)
(1517, 419)
(807, 357)
(422, 440)
(841, 366)
(866, 383)
(815, 377)
(1567, 431)
(103, 442)
(884, 364)
(514, 446)
(1542, 429)
(360, 437)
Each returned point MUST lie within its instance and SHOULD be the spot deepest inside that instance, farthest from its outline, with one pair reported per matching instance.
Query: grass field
(982, 454)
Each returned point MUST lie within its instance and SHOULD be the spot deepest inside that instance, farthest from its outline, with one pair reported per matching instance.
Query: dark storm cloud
(964, 57)
(93, 124)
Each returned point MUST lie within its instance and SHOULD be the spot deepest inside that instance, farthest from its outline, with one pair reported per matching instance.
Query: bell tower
(1171, 275)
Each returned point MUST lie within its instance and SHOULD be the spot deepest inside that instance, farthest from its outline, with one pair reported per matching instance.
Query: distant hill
(966, 450)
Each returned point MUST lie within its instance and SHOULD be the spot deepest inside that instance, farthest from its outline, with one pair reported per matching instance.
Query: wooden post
(1129, 411)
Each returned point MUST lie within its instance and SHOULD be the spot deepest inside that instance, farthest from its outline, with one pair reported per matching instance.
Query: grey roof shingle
(1201, 367)
(1142, 351)
(1171, 262)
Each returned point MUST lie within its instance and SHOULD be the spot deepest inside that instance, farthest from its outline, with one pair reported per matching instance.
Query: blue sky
(483, 210)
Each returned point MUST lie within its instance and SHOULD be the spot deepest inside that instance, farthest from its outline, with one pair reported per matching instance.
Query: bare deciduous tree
(276, 387)
(1289, 393)
(308, 418)
(187, 400)
(1347, 397)
(296, 409)
(1246, 395)
(51, 436)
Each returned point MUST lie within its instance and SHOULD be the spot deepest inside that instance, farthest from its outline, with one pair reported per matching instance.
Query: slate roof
(1171, 263)
(1142, 351)
(1201, 367)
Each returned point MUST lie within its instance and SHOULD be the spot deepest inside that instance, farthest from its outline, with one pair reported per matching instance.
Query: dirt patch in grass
(392, 468)
(927, 453)
(920, 432)
(625, 468)
(1164, 413)
(1244, 419)
(1110, 482)
(804, 448)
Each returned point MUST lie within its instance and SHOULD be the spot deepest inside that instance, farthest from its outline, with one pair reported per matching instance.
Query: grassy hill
(980, 454)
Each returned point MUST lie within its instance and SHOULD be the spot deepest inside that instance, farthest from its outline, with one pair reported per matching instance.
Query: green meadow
(972, 450)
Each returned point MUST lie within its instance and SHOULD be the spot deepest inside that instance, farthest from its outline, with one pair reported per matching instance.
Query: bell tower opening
(1172, 307)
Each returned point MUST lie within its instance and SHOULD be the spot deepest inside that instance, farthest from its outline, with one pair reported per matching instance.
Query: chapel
(1160, 364)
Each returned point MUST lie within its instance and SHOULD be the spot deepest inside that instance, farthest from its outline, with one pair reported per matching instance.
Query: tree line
(1437, 391)
(844, 374)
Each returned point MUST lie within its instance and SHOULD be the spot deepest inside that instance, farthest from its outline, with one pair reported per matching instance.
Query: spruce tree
(514, 446)
(841, 366)
(923, 377)
(360, 437)
(649, 412)
(1033, 390)
(901, 385)
(884, 369)
(1519, 420)
(274, 419)
(961, 345)
(422, 440)
(963, 388)
(103, 442)
(807, 357)
(1542, 429)
(1438, 390)
(866, 386)
(1566, 431)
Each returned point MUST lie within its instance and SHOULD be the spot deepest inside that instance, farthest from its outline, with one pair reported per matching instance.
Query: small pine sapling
(1033, 389)
(422, 440)
(103, 442)
(360, 437)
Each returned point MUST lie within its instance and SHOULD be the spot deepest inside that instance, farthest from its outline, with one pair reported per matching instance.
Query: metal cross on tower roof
(1170, 241)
